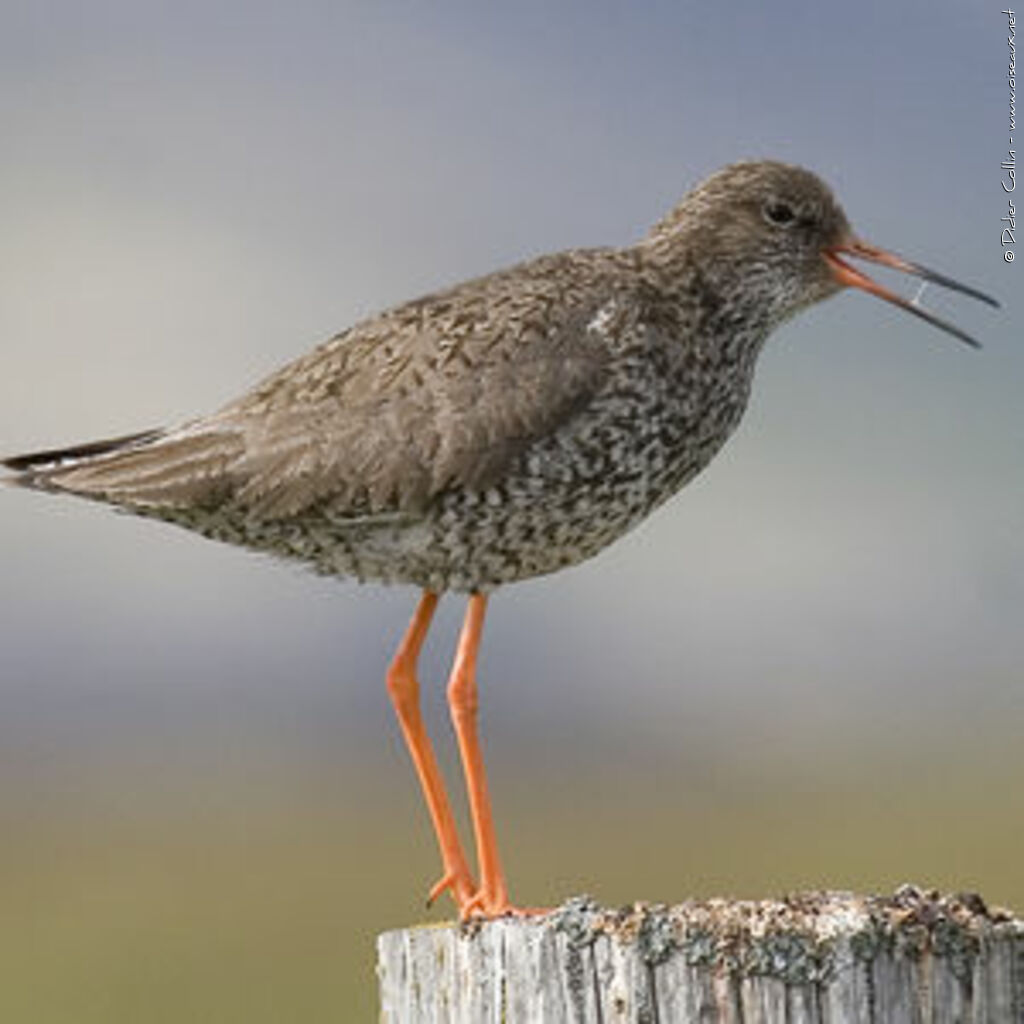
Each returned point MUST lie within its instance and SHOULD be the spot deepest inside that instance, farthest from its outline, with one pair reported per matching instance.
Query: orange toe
(459, 883)
(488, 906)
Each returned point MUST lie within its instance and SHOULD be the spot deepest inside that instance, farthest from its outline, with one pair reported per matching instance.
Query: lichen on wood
(914, 957)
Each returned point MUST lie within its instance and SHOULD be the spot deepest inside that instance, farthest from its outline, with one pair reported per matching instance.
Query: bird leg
(492, 897)
(403, 688)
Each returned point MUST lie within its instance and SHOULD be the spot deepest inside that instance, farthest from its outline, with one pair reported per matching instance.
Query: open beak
(848, 275)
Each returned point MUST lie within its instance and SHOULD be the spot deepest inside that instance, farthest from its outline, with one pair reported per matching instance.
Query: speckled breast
(653, 428)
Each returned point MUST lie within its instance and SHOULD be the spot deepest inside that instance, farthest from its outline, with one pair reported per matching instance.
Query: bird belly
(561, 503)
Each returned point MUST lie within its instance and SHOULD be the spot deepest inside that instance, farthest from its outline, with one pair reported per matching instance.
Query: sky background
(806, 670)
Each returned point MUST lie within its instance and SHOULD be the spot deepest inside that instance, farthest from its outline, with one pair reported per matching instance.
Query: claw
(459, 882)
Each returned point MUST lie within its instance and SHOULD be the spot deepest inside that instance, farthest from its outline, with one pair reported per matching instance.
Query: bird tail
(33, 467)
(152, 468)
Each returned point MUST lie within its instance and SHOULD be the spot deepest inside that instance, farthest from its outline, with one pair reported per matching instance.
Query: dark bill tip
(848, 275)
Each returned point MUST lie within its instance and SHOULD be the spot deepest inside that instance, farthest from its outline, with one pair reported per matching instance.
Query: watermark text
(1008, 180)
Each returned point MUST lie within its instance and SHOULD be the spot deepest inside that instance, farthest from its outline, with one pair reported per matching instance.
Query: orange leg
(404, 690)
(492, 897)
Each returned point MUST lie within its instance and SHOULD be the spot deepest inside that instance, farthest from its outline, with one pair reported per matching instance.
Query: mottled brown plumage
(497, 400)
(503, 428)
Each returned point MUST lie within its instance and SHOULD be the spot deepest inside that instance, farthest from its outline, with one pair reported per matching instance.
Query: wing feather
(441, 392)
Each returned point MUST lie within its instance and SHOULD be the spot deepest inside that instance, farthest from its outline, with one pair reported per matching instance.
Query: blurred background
(806, 671)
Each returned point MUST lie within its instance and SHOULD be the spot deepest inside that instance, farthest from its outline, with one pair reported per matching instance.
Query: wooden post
(815, 958)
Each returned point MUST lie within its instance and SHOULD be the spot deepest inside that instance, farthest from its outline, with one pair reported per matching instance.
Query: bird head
(772, 235)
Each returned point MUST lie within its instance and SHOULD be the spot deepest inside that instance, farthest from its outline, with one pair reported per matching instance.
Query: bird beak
(848, 275)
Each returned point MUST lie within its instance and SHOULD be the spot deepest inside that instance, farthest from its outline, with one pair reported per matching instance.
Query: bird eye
(777, 212)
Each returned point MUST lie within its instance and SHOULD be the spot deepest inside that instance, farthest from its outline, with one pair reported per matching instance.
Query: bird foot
(487, 906)
(459, 882)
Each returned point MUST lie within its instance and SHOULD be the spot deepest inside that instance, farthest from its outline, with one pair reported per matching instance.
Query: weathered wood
(815, 958)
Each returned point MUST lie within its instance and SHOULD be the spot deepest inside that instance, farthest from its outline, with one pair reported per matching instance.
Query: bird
(504, 428)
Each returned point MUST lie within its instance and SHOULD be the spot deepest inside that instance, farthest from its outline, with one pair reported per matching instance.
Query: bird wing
(439, 392)
(444, 391)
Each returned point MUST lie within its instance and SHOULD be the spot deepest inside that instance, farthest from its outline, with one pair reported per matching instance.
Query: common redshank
(508, 427)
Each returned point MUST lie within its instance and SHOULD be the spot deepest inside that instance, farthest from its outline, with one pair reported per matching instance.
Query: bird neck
(725, 315)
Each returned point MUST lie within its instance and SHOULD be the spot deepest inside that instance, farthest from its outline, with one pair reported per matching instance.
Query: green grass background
(245, 895)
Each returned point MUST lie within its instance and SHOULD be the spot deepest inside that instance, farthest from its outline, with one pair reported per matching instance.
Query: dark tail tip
(55, 458)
